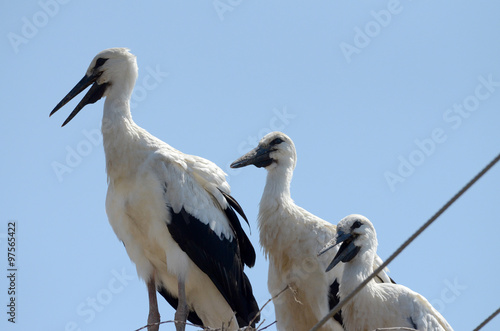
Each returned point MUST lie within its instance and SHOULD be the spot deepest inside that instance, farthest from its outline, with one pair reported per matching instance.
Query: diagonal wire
(339, 306)
(487, 320)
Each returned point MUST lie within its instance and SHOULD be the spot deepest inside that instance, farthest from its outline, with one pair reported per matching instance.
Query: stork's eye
(276, 141)
(100, 61)
(356, 225)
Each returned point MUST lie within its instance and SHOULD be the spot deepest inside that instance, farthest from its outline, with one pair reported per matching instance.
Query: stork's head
(357, 235)
(110, 69)
(275, 150)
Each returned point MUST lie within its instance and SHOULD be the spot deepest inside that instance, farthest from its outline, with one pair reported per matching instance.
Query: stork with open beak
(377, 305)
(172, 211)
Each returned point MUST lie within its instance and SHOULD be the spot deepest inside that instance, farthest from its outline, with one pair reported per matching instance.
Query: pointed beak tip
(324, 250)
(235, 165)
(330, 267)
(53, 112)
(332, 264)
(68, 120)
(241, 162)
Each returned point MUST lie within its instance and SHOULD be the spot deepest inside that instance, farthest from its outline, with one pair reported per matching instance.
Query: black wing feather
(333, 300)
(233, 203)
(219, 258)
(246, 249)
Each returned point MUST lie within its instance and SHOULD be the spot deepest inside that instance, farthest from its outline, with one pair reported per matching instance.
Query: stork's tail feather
(251, 311)
(246, 249)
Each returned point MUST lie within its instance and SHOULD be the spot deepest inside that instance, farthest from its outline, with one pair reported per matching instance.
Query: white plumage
(291, 238)
(172, 211)
(376, 305)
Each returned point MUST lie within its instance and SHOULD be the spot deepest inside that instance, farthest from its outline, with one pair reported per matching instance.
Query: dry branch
(246, 328)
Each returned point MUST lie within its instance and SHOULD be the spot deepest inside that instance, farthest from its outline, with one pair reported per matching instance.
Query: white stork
(291, 238)
(172, 211)
(376, 305)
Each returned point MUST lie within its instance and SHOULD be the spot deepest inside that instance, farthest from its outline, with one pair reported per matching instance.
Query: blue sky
(393, 107)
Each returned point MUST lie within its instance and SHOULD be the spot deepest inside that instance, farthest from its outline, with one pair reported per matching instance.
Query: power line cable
(487, 320)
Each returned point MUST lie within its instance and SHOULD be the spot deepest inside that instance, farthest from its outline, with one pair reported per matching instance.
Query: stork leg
(154, 314)
(182, 311)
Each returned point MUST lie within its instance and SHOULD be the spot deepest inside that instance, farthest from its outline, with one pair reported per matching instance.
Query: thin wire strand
(339, 306)
(210, 329)
(487, 320)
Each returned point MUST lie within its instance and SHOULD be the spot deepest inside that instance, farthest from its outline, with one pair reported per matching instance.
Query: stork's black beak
(259, 157)
(341, 236)
(347, 250)
(95, 93)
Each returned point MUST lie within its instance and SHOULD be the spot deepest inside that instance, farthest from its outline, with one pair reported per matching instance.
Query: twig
(268, 326)
(267, 302)
(222, 329)
(172, 321)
